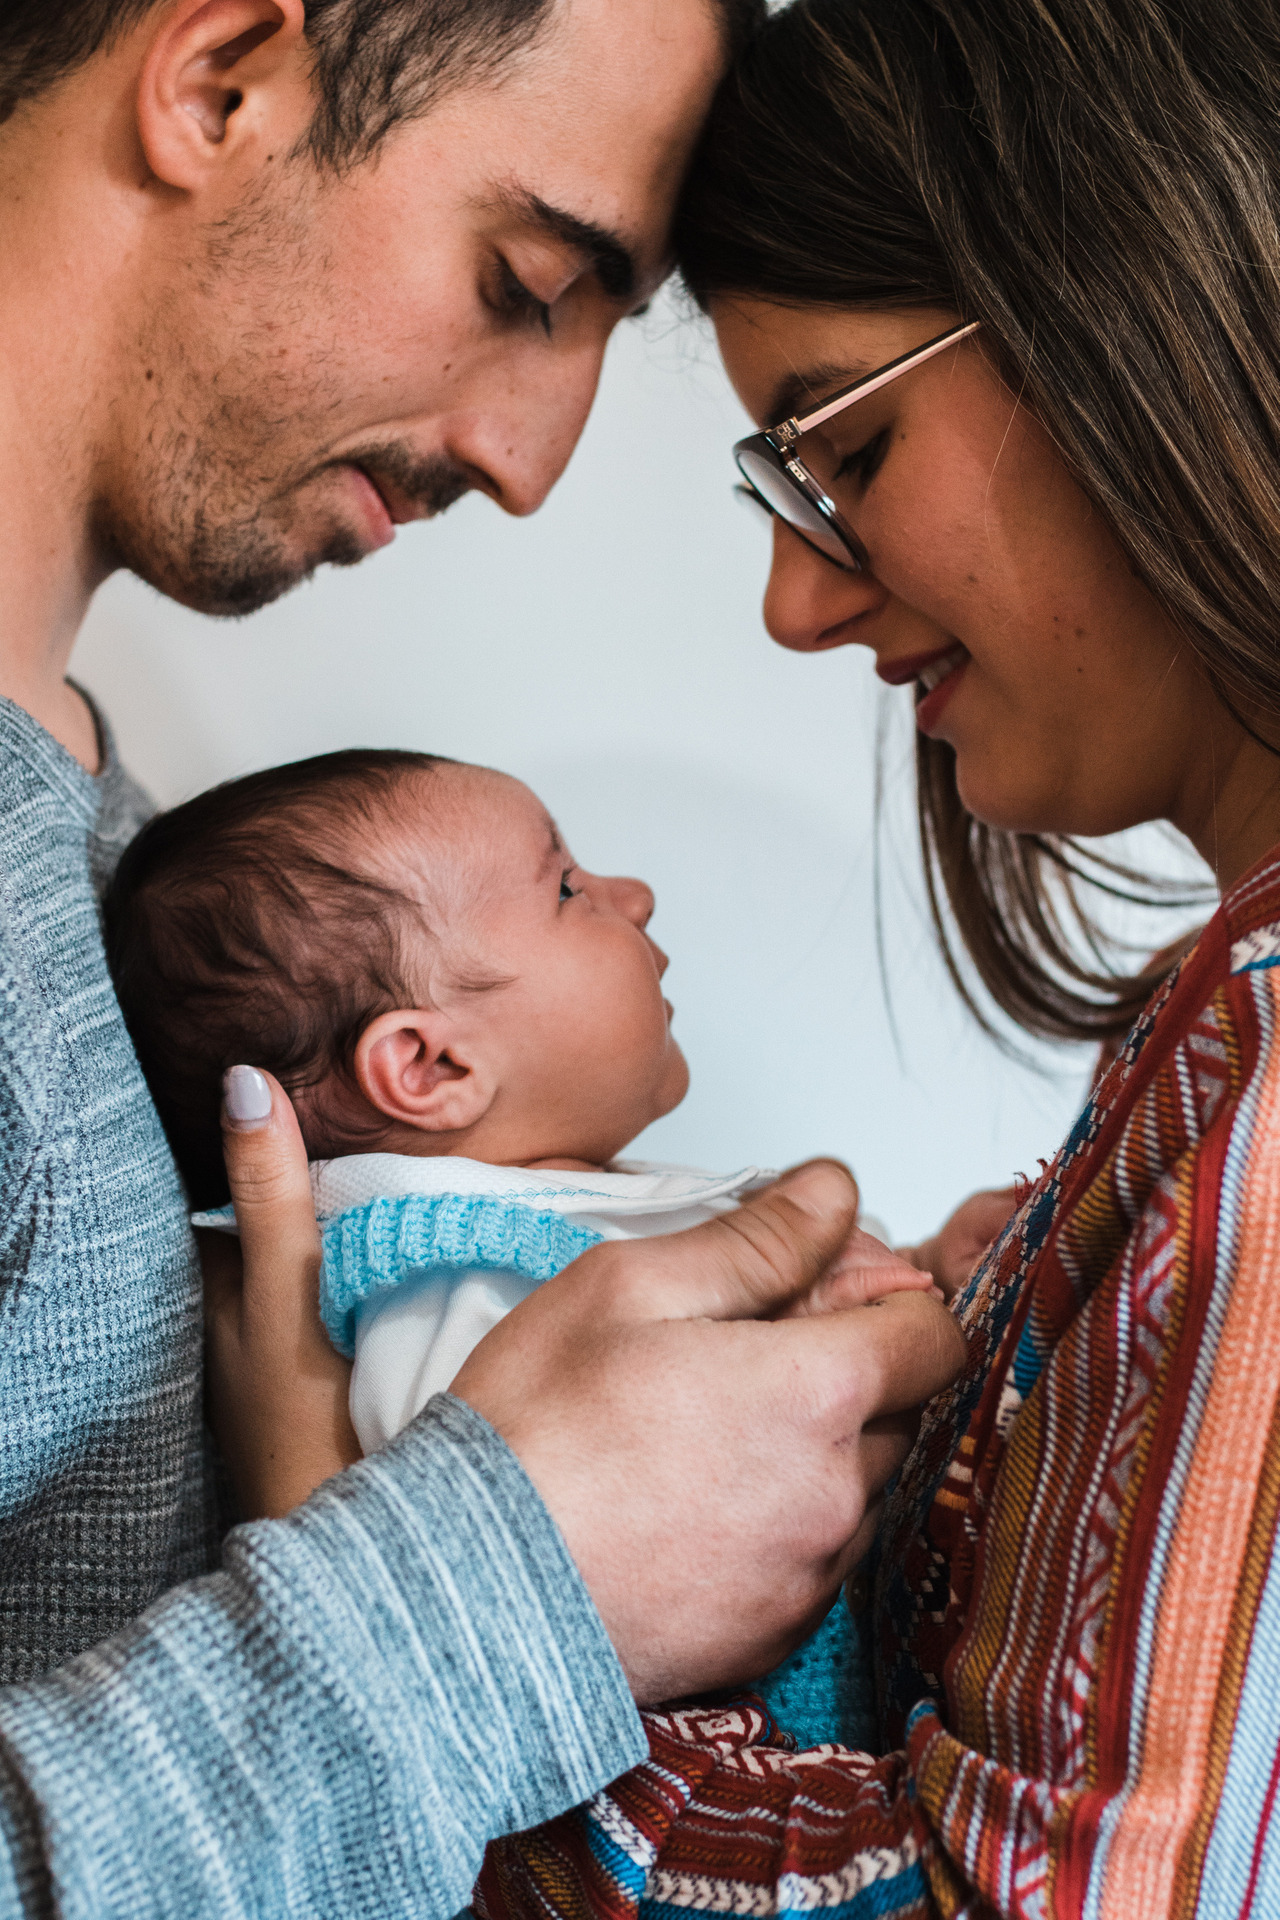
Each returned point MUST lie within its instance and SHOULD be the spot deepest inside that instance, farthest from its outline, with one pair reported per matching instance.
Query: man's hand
(713, 1471)
(710, 1469)
(955, 1250)
(277, 1390)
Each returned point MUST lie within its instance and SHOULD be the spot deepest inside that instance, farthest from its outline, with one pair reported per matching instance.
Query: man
(273, 278)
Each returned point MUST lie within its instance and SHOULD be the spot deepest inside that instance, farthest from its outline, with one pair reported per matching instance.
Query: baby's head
(407, 944)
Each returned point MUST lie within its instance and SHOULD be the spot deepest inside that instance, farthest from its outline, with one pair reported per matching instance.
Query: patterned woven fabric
(1078, 1605)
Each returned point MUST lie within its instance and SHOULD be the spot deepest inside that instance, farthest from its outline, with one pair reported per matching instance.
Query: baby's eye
(566, 891)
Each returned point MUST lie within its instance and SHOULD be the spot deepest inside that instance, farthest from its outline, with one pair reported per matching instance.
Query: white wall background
(610, 652)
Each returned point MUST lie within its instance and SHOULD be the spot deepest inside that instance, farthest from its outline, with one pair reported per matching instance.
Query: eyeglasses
(779, 481)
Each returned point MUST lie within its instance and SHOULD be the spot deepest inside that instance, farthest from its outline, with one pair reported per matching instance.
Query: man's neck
(46, 576)
(54, 393)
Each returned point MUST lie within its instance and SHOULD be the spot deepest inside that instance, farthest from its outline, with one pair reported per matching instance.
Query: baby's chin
(670, 1090)
(676, 1083)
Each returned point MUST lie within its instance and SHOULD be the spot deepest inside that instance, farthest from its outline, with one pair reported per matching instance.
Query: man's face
(317, 358)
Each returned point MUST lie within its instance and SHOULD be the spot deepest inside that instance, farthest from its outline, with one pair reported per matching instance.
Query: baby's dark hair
(236, 931)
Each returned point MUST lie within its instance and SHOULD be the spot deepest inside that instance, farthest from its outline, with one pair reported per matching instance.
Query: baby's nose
(634, 898)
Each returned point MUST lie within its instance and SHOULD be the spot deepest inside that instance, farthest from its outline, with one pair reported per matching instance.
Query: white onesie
(424, 1256)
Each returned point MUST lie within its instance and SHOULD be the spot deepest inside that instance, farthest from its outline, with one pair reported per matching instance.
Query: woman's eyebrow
(809, 385)
(611, 259)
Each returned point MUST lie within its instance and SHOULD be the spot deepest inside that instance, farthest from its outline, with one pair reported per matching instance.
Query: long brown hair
(1096, 181)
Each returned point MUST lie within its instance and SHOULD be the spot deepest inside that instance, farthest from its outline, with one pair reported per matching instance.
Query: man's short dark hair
(377, 62)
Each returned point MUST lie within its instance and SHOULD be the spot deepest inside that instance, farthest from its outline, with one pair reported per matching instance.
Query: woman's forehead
(782, 358)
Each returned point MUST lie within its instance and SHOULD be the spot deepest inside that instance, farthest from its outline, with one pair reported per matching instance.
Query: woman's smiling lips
(936, 674)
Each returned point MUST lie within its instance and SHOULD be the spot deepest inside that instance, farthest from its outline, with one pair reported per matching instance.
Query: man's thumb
(266, 1170)
(746, 1264)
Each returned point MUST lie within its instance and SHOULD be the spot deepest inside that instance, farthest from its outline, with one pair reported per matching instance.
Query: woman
(1064, 529)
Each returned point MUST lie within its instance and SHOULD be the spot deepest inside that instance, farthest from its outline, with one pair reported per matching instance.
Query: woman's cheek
(1004, 766)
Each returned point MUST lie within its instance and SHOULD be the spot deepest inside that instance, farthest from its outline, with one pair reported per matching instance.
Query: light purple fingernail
(247, 1095)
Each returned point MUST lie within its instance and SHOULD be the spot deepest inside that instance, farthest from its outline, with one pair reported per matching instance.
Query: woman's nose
(809, 602)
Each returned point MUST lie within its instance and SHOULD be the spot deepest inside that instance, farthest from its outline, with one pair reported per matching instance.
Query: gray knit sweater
(336, 1719)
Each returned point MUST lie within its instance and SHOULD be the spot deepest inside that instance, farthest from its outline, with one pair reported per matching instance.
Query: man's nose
(518, 440)
(811, 603)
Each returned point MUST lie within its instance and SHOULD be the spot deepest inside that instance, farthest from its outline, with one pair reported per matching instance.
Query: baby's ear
(404, 1067)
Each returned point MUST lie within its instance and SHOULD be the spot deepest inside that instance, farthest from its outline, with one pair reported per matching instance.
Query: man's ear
(220, 74)
(404, 1067)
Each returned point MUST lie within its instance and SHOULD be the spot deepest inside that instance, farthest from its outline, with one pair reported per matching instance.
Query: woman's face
(995, 586)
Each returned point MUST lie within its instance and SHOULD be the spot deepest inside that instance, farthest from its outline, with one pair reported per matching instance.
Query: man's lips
(400, 509)
(380, 528)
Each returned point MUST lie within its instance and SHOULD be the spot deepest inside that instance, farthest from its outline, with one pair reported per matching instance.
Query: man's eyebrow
(612, 261)
(810, 385)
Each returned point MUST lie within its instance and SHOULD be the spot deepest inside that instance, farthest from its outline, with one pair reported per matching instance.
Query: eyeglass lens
(793, 506)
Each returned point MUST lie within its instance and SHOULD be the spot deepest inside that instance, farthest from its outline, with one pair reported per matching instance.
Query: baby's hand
(955, 1250)
(864, 1271)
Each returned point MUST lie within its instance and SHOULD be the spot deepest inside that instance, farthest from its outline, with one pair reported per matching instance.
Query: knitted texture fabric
(335, 1721)
(824, 1692)
(106, 1497)
(1077, 1610)
(374, 1248)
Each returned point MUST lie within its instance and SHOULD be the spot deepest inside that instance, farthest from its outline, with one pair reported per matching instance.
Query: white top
(412, 1336)
(412, 1341)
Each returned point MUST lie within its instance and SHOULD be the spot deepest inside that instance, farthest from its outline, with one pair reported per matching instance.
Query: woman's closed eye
(863, 465)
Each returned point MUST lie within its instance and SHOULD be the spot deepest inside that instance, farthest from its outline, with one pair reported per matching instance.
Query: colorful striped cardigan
(1078, 1597)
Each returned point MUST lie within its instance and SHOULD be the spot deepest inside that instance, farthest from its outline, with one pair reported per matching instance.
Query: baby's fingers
(864, 1271)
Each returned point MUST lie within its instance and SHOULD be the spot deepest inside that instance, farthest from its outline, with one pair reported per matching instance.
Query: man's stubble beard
(228, 467)
(208, 523)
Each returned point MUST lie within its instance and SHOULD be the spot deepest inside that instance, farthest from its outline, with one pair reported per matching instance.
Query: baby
(472, 1029)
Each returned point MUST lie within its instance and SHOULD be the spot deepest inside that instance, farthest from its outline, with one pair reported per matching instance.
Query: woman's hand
(955, 1250)
(277, 1389)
